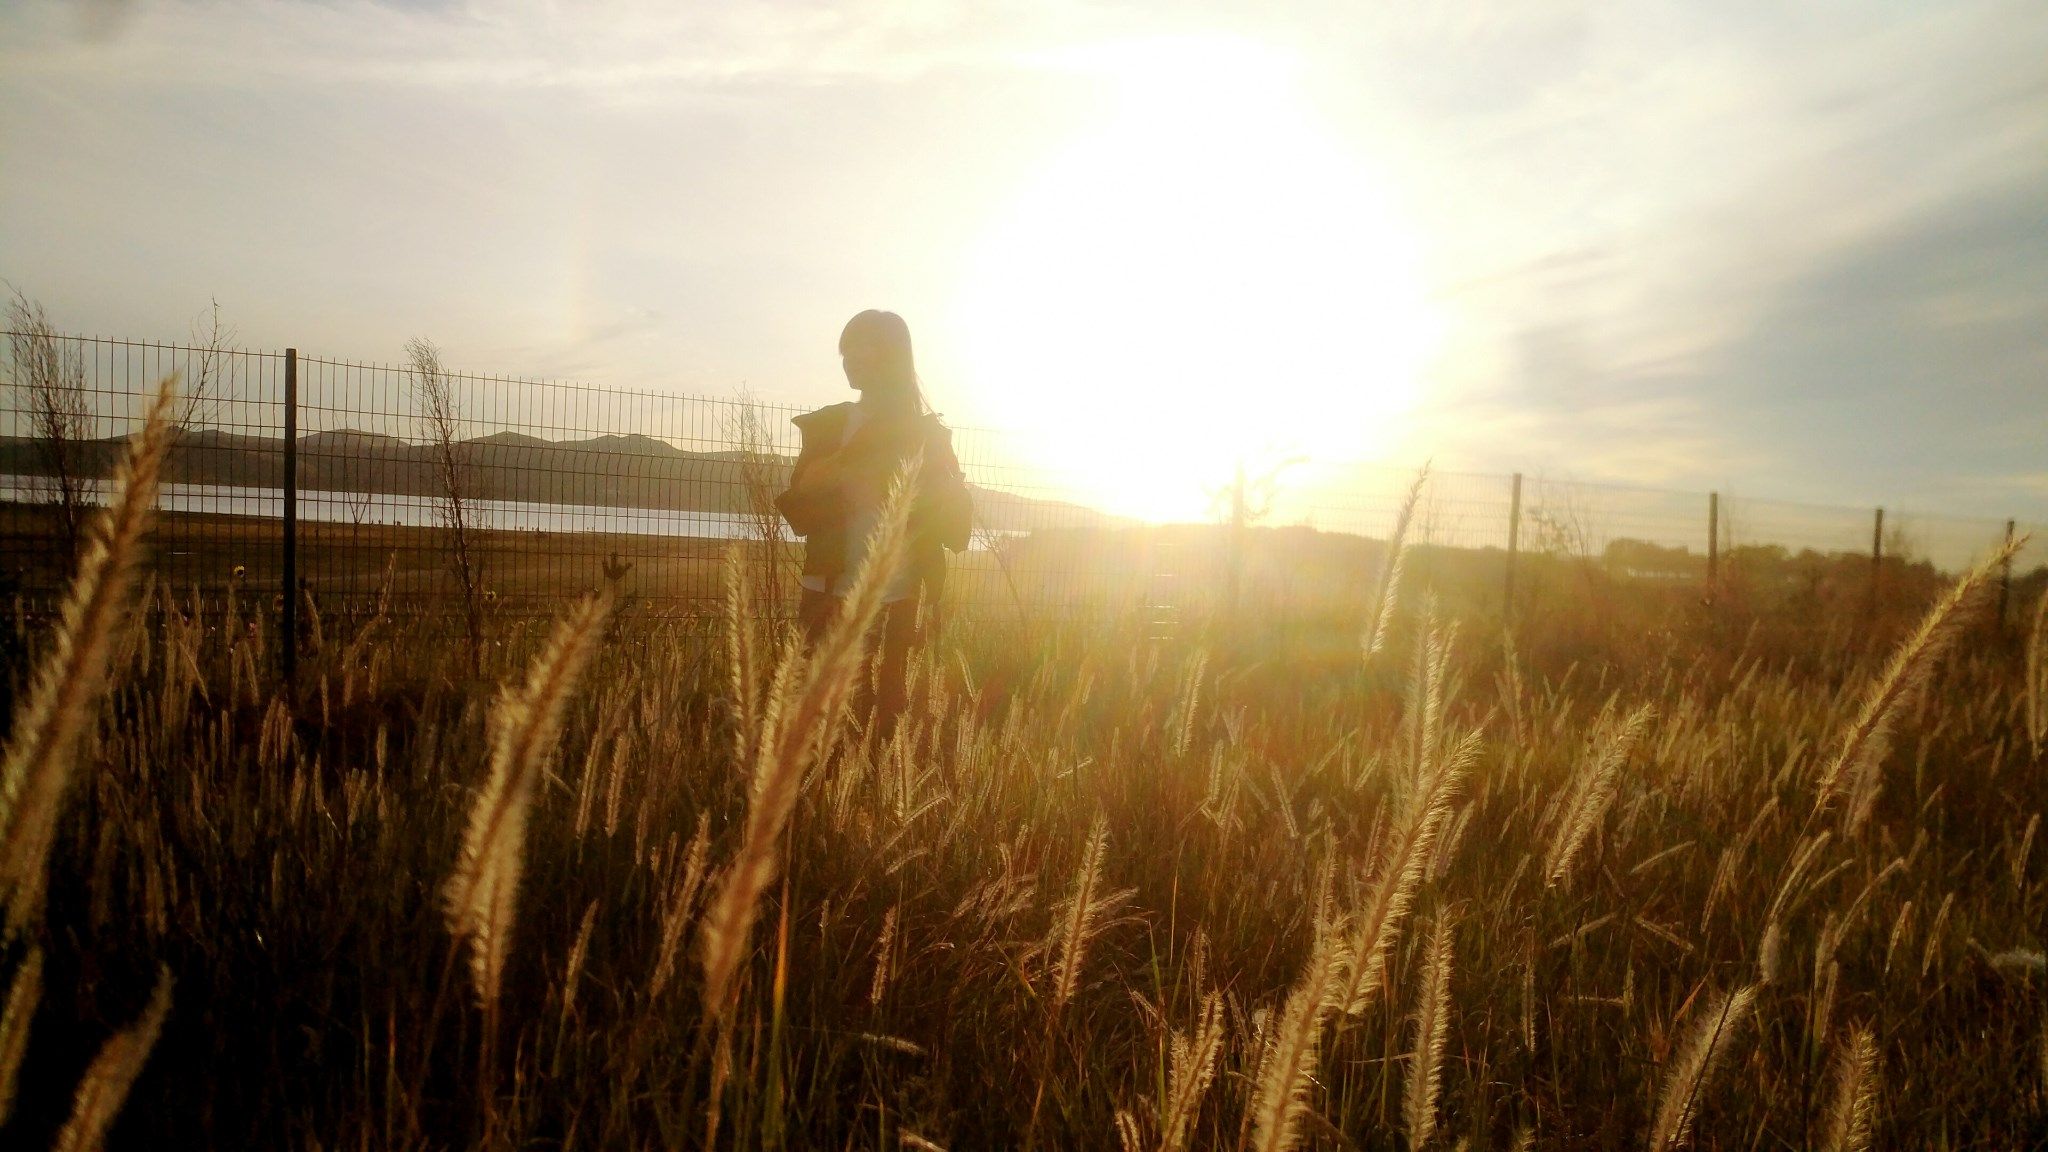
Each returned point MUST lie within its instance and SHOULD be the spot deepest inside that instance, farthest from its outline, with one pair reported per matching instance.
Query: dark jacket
(941, 518)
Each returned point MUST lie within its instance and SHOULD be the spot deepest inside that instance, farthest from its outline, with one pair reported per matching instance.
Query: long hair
(888, 337)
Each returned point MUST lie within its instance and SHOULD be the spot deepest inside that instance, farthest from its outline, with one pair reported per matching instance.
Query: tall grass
(481, 895)
(40, 763)
(41, 754)
(798, 727)
(1387, 594)
(1096, 888)
(1690, 1077)
(112, 1073)
(1854, 767)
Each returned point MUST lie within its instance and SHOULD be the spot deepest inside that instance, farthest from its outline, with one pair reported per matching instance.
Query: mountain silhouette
(629, 471)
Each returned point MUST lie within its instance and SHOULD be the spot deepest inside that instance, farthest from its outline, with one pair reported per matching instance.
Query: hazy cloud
(1798, 249)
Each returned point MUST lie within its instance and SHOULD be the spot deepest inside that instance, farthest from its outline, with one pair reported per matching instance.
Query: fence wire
(562, 486)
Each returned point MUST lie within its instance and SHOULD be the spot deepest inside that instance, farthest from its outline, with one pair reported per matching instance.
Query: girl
(851, 452)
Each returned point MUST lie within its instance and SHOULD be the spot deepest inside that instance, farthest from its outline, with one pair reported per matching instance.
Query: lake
(328, 507)
(414, 511)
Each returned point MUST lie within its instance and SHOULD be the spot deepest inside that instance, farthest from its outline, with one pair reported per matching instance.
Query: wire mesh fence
(528, 491)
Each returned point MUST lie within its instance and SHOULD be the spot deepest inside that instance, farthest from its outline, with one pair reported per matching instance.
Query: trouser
(890, 643)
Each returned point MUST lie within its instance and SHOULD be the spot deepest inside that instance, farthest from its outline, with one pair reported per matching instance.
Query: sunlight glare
(1207, 277)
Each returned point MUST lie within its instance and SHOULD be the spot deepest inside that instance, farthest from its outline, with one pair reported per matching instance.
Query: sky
(1787, 250)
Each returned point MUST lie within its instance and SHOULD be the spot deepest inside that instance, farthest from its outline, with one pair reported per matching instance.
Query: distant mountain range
(610, 471)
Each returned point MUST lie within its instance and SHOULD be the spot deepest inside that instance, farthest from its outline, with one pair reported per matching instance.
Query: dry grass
(1690, 1077)
(112, 1073)
(1854, 767)
(1854, 1111)
(1387, 595)
(37, 767)
(1432, 1028)
(1096, 888)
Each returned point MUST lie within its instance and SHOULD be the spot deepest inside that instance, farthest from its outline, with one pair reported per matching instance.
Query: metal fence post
(1507, 591)
(1876, 559)
(289, 631)
(2005, 576)
(1713, 541)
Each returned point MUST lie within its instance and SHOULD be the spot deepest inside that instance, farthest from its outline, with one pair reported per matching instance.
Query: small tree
(434, 393)
(49, 377)
(1239, 506)
(212, 345)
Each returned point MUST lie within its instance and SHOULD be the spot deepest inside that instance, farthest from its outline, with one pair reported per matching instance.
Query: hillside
(609, 471)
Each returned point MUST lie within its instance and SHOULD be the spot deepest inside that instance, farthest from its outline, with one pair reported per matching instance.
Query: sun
(1208, 276)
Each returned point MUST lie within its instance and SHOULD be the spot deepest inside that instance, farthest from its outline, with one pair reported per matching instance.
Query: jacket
(941, 518)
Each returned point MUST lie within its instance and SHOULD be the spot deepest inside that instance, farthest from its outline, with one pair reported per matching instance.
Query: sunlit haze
(1209, 276)
(1799, 254)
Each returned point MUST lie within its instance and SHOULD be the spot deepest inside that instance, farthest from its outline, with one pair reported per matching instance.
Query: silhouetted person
(851, 453)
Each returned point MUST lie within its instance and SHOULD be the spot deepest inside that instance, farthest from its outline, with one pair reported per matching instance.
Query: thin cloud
(1679, 244)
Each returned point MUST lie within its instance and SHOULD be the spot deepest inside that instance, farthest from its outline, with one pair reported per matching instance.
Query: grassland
(1632, 872)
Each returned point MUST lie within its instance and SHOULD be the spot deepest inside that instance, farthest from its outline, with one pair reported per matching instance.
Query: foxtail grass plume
(572, 969)
(1593, 788)
(1388, 594)
(112, 1073)
(1078, 919)
(1432, 1022)
(1129, 1136)
(1691, 1072)
(40, 758)
(1855, 763)
(1191, 1068)
(682, 901)
(1424, 716)
(885, 951)
(742, 663)
(1770, 954)
(24, 992)
(481, 895)
(1281, 1093)
(1853, 1115)
(1377, 925)
(1439, 774)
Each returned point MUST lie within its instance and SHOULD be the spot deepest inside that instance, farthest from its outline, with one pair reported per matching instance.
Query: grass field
(1634, 872)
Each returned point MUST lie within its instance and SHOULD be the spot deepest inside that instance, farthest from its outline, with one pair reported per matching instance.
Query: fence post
(289, 631)
(1876, 559)
(2005, 576)
(1713, 541)
(1507, 592)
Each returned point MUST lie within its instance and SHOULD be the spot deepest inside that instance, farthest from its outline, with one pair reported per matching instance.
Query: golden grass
(40, 758)
(1432, 1028)
(112, 1073)
(1593, 788)
(1097, 889)
(24, 991)
(1854, 767)
(1853, 1113)
(1288, 1060)
(804, 706)
(481, 895)
(1387, 594)
(1191, 1070)
(1690, 1077)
